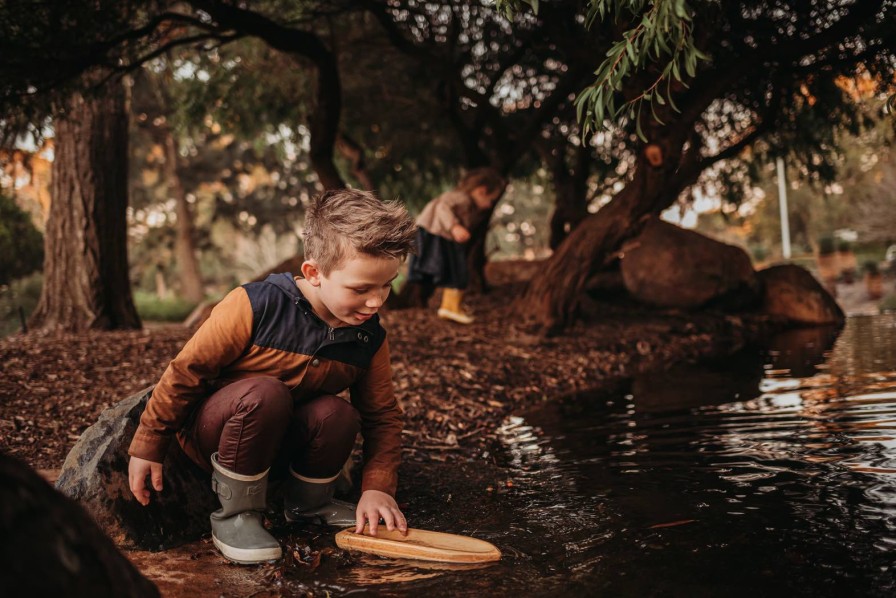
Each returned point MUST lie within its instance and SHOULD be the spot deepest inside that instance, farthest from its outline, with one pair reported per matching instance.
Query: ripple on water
(767, 473)
(783, 465)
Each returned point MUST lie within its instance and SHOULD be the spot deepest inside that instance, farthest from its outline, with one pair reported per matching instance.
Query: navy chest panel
(288, 324)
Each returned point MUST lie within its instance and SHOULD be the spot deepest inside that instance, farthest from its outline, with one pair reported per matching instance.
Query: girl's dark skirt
(439, 262)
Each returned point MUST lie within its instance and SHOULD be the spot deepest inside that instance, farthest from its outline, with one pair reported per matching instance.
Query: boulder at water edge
(792, 293)
(668, 266)
(95, 474)
(50, 547)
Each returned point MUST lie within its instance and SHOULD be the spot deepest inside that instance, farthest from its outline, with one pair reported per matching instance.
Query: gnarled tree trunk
(553, 299)
(86, 282)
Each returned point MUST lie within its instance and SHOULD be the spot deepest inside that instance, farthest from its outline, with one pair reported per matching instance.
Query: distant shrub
(21, 244)
(888, 303)
(826, 245)
(759, 252)
(870, 267)
(844, 246)
(18, 299)
(151, 308)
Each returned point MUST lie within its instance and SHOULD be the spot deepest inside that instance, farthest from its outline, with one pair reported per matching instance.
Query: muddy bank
(466, 498)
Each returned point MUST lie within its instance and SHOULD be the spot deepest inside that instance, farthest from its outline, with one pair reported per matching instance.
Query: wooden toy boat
(419, 544)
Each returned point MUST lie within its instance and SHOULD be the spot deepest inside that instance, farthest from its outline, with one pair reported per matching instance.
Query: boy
(255, 387)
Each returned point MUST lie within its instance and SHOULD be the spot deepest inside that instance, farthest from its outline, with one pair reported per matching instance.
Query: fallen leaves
(455, 383)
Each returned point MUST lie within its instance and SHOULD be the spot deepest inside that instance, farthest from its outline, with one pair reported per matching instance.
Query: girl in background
(443, 229)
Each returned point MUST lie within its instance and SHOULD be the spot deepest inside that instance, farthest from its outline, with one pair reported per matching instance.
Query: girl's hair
(486, 177)
(343, 221)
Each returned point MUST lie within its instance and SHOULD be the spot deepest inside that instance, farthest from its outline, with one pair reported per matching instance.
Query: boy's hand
(375, 504)
(138, 469)
(460, 234)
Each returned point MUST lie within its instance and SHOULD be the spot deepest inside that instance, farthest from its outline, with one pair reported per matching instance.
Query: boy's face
(354, 292)
(483, 198)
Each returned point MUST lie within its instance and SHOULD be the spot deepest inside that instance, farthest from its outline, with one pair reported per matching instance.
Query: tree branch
(116, 70)
(858, 13)
(324, 123)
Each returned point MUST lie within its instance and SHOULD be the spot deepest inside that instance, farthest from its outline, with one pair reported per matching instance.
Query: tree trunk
(324, 121)
(553, 299)
(477, 257)
(570, 188)
(184, 246)
(570, 209)
(352, 151)
(86, 284)
(53, 547)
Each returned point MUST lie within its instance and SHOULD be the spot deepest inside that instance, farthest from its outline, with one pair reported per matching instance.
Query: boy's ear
(311, 273)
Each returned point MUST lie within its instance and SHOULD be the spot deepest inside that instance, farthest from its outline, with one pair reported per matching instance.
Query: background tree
(663, 111)
(862, 198)
(152, 102)
(503, 87)
(86, 282)
(700, 85)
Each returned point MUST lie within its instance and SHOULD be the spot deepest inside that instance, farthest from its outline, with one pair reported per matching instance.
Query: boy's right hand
(460, 234)
(138, 469)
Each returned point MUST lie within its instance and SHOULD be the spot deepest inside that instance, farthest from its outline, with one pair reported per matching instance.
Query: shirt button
(315, 362)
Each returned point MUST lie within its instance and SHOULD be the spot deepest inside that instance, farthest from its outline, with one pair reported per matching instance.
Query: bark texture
(86, 284)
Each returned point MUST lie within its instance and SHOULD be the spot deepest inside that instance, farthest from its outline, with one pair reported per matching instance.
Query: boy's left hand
(375, 504)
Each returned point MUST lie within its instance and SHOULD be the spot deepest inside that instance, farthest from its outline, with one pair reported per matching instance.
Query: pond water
(771, 472)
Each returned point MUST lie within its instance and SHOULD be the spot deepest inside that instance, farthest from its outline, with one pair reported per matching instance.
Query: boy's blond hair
(344, 220)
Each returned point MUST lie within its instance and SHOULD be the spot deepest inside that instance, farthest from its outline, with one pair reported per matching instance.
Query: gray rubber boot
(312, 499)
(237, 528)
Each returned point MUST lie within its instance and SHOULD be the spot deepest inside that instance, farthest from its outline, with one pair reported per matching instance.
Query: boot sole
(455, 317)
(247, 556)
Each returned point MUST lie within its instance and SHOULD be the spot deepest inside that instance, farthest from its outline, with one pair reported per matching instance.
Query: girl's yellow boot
(451, 308)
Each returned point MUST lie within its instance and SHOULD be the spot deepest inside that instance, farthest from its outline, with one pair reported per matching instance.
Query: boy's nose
(376, 300)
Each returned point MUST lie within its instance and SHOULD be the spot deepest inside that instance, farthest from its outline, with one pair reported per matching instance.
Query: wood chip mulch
(455, 383)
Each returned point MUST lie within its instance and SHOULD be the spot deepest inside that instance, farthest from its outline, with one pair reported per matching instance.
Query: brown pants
(254, 424)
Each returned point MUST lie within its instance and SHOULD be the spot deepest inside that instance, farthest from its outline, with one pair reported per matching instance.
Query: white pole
(782, 203)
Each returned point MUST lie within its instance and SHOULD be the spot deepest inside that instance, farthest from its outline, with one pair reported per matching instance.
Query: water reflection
(799, 353)
(770, 472)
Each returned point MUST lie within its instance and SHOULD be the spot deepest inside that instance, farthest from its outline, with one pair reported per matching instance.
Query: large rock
(792, 293)
(95, 473)
(50, 547)
(668, 266)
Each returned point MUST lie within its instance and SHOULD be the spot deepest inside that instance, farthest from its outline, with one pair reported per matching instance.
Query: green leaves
(659, 39)
(663, 36)
(511, 7)
(21, 244)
